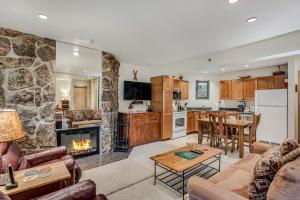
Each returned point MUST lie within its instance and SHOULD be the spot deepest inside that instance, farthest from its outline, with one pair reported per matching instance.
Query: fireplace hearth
(80, 142)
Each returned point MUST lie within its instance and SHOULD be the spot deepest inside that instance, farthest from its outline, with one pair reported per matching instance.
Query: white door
(273, 124)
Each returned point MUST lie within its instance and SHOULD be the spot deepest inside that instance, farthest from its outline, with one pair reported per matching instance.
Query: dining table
(238, 124)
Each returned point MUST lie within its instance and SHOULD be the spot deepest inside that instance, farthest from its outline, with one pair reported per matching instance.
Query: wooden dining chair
(219, 131)
(250, 138)
(204, 131)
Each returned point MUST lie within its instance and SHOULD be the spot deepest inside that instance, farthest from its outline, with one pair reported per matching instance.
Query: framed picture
(202, 89)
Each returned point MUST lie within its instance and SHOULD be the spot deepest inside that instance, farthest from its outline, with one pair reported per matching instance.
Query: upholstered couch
(12, 154)
(82, 118)
(85, 190)
(233, 183)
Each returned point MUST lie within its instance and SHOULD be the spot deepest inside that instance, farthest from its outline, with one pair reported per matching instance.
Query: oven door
(179, 122)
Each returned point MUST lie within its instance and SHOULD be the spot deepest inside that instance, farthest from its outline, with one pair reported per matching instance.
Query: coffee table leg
(183, 188)
(154, 183)
(219, 162)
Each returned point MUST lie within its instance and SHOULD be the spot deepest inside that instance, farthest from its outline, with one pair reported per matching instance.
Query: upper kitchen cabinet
(184, 89)
(237, 89)
(225, 89)
(265, 83)
(167, 83)
(279, 81)
(250, 86)
(176, 84)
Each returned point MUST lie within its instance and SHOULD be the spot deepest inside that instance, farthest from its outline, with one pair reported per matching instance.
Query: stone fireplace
(80, 141)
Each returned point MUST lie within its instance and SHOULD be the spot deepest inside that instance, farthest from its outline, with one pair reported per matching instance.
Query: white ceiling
(152, 32)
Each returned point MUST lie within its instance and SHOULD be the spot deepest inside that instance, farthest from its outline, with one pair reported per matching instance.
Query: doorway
(80, 98)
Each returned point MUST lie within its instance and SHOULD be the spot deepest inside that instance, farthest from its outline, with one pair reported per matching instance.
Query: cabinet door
(152, 131)
(176, 84)
(190, 122)
(250, 86)
(136, 134)
(237, 89)
(225, 89)
(167, 126)
(265, 83)
(167, 101)
(184, 88)
(279, 81)
(167, 83)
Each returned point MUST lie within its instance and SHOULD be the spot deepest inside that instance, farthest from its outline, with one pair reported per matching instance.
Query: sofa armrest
(85, 190)
(201, 189)
(42, 157)
(260, 148)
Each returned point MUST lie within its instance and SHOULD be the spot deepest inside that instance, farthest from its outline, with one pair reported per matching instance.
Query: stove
(179, 124)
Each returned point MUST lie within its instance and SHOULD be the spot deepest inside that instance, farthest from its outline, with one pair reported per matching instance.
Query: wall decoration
(202, 89)
(135, 75)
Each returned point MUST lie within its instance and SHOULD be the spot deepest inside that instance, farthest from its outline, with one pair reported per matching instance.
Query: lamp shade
(10, 126)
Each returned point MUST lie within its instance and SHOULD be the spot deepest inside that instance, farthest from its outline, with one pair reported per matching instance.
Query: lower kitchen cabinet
(143, 127)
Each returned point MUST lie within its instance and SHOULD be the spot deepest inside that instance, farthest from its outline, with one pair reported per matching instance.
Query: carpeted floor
(132, 178)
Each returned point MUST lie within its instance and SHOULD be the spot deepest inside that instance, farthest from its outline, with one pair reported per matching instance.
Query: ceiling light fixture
(223, 69)
(76, 53)
(232, 1)
(205, 72)
(85, 71)
(251, 19)
(246, 66)
(42, 16)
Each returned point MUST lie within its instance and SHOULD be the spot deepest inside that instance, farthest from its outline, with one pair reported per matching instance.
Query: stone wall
(110, 105)
(27, 84)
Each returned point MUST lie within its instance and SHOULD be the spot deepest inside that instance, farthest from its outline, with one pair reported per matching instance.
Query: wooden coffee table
(58, 179)
(177, 170)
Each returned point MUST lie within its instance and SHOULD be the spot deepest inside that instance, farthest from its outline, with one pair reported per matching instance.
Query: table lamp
(10, 130)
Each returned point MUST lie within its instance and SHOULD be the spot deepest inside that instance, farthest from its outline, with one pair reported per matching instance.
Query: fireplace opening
(80, 142)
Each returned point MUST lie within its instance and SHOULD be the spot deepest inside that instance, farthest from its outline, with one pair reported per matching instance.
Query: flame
(80, 145)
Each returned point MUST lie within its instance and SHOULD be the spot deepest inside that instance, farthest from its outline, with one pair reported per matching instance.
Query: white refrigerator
(273, 107)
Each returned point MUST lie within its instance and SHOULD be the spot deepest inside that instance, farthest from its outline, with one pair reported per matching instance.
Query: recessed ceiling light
(85, 71)
(205, 72)
(251, 19)
(76, 53)
(42, 16)
(223, 69)
(246, 66)
(232, 1)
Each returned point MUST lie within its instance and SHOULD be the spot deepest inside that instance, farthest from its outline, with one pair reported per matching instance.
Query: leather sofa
(12, 154)
(85, 190)
(233, 182)
(82, 118)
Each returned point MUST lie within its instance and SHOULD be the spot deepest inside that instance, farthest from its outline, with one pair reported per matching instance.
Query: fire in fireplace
(80, 141)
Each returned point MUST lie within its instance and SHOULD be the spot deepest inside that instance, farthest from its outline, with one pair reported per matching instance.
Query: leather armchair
(85, 190)
(12, 154)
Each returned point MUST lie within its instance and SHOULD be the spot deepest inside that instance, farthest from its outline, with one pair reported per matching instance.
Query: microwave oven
(176, 95)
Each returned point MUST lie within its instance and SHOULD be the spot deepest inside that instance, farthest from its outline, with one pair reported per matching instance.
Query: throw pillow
(89, 114)
(78, 116)
(97, 115)
(263, 173)
(288, 145)
(293, 155)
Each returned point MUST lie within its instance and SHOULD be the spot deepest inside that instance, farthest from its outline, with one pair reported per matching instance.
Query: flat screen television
(137, 90)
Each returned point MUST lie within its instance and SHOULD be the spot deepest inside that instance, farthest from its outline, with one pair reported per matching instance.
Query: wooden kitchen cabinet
(250, 86)
(190, 122)
(237, 89)
(176, 84)
(162, 101)
(184, 89)
(265, 83)
(225, 89)
(279, 81)
(143, 127)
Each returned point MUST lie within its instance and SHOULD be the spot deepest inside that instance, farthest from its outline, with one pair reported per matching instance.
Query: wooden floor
(93, 161)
